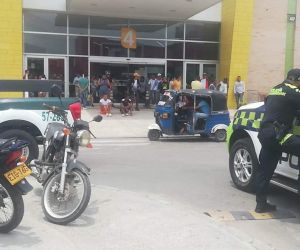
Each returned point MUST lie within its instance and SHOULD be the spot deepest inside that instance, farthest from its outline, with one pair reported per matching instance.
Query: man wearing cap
(275, 134)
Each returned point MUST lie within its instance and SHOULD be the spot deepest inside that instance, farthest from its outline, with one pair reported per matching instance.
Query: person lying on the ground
(126, 106)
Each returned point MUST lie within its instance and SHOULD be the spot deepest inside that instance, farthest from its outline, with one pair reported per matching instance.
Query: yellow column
(11, 43)
(236, 31)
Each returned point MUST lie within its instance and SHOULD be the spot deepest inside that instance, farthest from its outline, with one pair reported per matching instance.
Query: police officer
(275, 135)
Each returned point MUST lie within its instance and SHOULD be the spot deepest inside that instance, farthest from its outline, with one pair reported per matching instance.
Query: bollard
(147, 99)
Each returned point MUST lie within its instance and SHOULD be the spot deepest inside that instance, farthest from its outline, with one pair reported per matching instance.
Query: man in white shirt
(239, 89)
(224, 86)
(153, 89)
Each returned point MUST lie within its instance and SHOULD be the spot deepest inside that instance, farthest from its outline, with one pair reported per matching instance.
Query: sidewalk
(118, 126)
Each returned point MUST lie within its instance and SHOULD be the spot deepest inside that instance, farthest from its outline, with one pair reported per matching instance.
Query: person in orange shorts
(105, 106)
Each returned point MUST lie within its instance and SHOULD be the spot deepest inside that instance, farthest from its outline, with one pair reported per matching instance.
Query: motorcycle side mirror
(55, 91)
(97, 118)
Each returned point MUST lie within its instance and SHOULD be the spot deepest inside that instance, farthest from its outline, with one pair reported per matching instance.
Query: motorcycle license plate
(17, 174)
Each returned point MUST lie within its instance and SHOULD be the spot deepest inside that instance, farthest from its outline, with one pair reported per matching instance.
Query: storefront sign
(128, 38)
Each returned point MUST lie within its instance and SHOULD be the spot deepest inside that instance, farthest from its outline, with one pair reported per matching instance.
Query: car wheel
(243, 164)
(32, 151)
(153, 134)
(220, 135)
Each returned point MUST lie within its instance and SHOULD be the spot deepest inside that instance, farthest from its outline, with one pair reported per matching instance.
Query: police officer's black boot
(262, 206)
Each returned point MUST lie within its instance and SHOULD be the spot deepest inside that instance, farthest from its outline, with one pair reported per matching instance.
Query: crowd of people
(100, 88)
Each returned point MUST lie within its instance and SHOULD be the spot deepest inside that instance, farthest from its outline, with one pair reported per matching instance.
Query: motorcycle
(13, 184)
(67, 188)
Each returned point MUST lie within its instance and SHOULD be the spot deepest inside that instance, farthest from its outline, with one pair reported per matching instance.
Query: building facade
(61, 38)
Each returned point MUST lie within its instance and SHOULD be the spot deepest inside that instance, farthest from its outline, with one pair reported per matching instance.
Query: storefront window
(47, 44)
(107, 47)
(78, 24)
(78, 45)
(43, 21)
(175, 69)
(203, 31)
(202, 51)
(105, 26)
(149, 49)
(175, 50)
(175, 31)
(149, 28)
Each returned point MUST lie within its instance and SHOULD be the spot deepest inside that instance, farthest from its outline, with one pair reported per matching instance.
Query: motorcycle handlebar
(55, 109)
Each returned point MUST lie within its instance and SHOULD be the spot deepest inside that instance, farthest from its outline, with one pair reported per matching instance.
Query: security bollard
(147, 99)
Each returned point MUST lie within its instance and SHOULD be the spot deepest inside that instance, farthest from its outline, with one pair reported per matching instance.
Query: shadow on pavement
(187, 139)
(21, 237)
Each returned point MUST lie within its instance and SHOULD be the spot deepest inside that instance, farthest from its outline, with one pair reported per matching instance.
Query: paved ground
(153, 195)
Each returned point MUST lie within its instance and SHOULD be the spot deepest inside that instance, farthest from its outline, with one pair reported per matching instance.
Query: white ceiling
(144, 9)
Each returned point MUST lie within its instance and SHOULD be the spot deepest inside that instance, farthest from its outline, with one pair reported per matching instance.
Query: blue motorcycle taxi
(191, 112)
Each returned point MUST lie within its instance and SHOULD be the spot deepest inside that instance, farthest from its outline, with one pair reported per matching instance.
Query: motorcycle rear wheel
(11, 207)
(54, 205)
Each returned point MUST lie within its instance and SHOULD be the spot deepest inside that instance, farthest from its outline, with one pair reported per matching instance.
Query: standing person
(136, 87)
(239, 89)
(104, 86)
(196, 84)
(224, 86)
(153, 89)
(176, 84)
(26, 75)
(158, 87)
(83, 90)
(205, 81)
(105, 106)
(163, 86)
(275, 134)
(76, 84)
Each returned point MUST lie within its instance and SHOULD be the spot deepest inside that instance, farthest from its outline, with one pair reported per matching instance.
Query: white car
(244, 148)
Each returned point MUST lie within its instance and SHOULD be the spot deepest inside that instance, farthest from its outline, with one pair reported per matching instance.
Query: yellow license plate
(17, 174)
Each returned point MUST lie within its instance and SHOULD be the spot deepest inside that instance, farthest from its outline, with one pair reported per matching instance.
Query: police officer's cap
(294, 75)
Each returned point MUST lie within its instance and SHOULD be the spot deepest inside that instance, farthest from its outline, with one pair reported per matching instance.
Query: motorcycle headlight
(84, 137)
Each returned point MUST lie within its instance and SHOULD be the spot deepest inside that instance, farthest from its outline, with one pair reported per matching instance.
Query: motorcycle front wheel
(67, 207)
(11, 207)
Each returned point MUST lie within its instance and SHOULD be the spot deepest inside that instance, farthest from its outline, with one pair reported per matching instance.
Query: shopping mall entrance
(122, 73)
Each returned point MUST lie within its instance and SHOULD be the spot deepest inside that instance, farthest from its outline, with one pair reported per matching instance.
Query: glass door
(56, 70)
(211, 71)
(50, 68)
(36, 67)
(192, 71)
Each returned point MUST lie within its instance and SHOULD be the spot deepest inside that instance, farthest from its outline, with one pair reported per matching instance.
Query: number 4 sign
(128, 38)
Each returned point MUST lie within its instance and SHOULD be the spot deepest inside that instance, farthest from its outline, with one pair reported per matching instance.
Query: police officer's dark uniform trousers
(275, 135)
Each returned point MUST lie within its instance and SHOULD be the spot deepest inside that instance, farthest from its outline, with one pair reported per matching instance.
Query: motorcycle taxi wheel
(153, 134)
